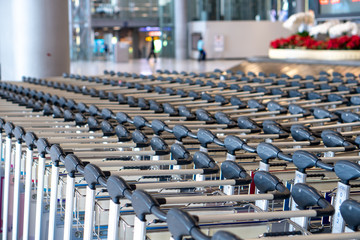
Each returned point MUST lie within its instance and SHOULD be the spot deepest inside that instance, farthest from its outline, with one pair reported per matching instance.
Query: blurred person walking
(152, 50)
(200, 47)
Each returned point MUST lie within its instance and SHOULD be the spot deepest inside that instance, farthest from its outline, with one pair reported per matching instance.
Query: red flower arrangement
(307, 42)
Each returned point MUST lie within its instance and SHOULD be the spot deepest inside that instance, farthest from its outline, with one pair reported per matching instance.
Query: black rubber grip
(278, 164)
(277, 234)
(316, 175)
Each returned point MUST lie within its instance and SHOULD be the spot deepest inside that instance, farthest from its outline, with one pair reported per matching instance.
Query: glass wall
(229, 10)
(125, 9)
(219, 10)
(80, 30)
(96, 25)
(166, 22)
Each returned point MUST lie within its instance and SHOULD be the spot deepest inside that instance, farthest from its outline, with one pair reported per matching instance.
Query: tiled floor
(142, 66)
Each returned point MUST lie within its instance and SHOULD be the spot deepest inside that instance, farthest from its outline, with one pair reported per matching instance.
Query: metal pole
(221, 198)
(342, 193)
(1, 149)
(53, 200)
(69, 206)
(39, 197)
(27, 197)
(139, 229)
(1, 164)
(6, 188)
(131, 172)
(186, 184)
(302, 221)
(256, 215)
(323, 236)
(89, 213)
(203, 149)
(299, 178)
(229, 189)
(263, 204)
(16, 206)
(114, 212)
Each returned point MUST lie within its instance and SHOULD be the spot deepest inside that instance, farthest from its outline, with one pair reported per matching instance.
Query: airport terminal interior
(180, 119)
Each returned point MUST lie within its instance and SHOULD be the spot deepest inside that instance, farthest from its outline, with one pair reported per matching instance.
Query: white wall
(241, 38)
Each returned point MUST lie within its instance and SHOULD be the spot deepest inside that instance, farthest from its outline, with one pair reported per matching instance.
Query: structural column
(135, 45)
(300, 6)
(180, 29)
(37, 38)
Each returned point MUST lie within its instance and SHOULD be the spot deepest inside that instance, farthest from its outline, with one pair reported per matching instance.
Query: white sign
(219, 43)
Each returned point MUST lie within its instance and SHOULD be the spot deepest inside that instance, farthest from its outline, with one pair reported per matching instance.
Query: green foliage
(303, 34)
